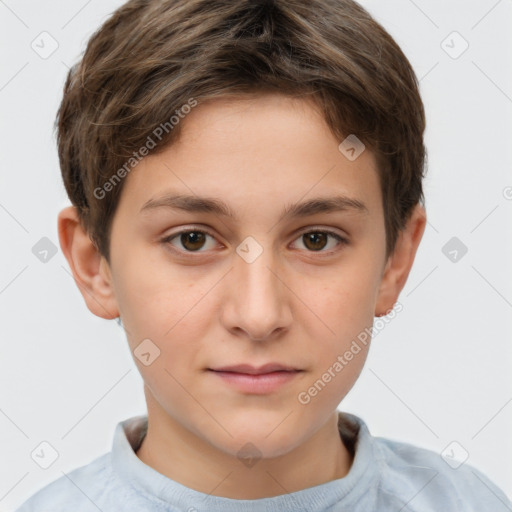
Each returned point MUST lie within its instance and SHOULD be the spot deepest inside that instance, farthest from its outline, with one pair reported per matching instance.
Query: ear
(90, 269)
(400, 262)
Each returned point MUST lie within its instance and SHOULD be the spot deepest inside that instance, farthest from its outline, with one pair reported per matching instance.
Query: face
(248, 283)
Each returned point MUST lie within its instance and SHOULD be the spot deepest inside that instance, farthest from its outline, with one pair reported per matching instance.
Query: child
(246, 180)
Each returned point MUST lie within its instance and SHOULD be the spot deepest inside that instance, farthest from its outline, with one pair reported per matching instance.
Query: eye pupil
(314, 238)
(196, 238)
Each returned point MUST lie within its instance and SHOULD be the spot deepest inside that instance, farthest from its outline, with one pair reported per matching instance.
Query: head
(244, 107)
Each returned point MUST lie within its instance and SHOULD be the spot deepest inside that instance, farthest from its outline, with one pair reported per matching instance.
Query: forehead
(252, 154)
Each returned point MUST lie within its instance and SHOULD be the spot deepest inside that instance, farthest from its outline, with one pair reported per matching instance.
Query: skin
(210, 307)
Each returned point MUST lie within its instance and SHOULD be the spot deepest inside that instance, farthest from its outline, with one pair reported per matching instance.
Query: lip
(248, 369)
(258, 384)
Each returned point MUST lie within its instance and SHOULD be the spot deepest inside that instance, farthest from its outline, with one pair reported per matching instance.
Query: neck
(190, 460)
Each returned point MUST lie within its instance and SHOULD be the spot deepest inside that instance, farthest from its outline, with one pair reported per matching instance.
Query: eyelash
(342, 241)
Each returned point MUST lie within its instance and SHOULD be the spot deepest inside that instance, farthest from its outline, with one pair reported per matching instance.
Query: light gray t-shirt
(385, 475)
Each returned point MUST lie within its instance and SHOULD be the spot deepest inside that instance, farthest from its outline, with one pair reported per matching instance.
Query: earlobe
(400, 262)
(89, 268)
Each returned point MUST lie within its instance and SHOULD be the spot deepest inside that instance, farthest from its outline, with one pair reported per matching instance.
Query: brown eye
(192, 240)
(317, 241)
(189, 241)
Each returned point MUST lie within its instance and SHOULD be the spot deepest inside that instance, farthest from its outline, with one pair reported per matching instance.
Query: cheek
(176, 325)
(345, 307)
(346, 303)
(156, 299)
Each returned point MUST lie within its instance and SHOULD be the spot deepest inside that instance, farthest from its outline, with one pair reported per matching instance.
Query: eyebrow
(197, 204)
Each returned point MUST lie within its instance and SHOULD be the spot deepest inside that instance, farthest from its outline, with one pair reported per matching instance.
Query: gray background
(439, 372)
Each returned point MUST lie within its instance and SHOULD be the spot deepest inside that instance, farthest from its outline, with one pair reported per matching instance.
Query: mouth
(247, 369)
(255, 381)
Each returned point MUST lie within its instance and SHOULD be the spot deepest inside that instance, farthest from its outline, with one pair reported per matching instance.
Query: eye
(317, 240)
(191, 240)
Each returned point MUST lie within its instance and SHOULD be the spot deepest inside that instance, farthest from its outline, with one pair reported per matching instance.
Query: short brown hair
(151, 57)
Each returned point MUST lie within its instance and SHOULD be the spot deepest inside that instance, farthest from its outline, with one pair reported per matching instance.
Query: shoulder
(423, 478)
(79, 490)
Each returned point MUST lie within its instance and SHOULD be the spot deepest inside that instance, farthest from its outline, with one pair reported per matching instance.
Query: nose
(257, 300)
